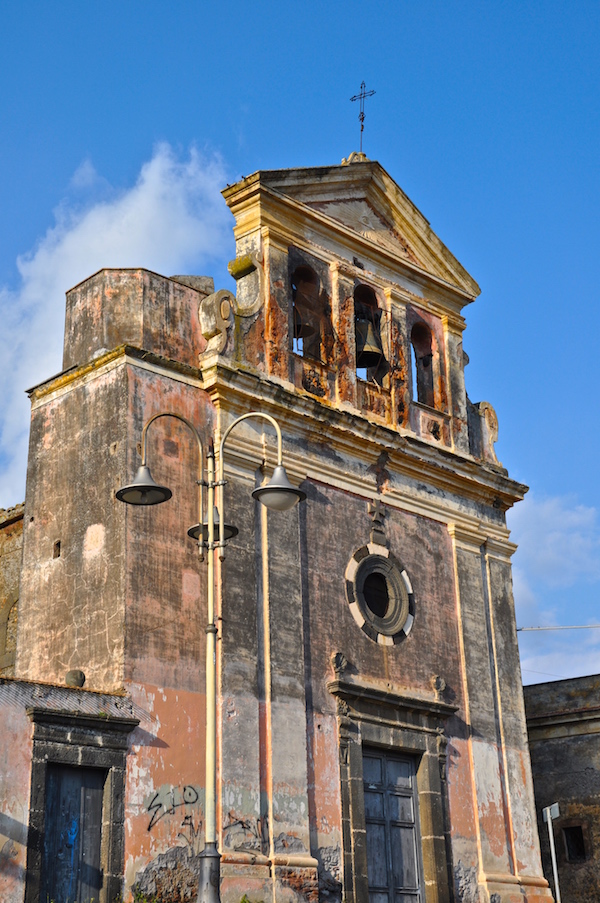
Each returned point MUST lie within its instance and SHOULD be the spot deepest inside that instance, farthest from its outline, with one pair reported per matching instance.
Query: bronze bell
(302, 328)
(368, 349)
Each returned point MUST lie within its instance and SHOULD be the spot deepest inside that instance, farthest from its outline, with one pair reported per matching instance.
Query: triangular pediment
(364, 199)
(360, 216)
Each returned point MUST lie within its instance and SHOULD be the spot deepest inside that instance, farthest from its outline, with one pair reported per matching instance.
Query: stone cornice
(244, 455)
(349, 432)
(106, 362)
(560, 724)
(346, 431)
(66, 718)
(499, 549)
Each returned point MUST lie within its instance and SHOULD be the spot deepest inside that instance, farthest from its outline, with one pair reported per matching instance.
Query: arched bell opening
(422, 365)
(370, 358)
(306, 331)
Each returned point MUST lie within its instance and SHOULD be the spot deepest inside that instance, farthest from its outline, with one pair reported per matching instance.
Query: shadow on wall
(15, 833)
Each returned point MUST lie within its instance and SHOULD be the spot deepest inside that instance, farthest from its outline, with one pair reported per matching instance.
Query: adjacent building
(563, 721)
(372, 743)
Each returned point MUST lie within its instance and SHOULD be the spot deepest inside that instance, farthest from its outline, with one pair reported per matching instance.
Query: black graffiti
(190, 832)
(246, 834)
(165, 803)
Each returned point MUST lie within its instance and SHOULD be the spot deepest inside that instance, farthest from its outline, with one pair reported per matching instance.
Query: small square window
(574, 843)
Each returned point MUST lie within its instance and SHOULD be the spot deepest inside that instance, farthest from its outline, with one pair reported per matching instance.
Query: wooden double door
(392, 823)
(71, 862)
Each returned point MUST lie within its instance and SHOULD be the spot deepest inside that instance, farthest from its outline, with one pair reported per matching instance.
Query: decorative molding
(285, 219)
(77, 739)
(339, 663)
(267, 196)
(525, 880)
(215, 315)
(389, 719)
(467, 536)
(356, 693)
(557, 725)
(378, 512)
(489, 431)
(392, 627)
(63, 725)
(252, 262)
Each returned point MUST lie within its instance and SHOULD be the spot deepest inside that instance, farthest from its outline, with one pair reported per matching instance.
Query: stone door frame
(374, 717)
(75, 739)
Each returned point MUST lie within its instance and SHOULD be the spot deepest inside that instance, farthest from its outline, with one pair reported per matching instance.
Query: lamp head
(279, 494)
(201, 530)
(143, 490)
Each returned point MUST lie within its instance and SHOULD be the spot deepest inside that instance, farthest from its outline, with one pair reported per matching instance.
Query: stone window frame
(373, 717)
(87, 741)
(398, 621)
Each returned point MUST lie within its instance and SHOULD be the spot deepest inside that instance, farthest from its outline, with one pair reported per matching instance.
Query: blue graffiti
(72, 835)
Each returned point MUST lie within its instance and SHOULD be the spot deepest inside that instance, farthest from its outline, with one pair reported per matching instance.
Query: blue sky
(120, 122)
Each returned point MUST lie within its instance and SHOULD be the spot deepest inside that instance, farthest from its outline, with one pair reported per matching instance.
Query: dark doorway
(391, 816)
(71, 866)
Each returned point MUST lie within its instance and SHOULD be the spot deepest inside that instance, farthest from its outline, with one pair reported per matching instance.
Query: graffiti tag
(246, 834)
(168, 800)
(190, 832)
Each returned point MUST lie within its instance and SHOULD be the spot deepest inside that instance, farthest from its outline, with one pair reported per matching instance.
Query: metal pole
(210, 862)
(549, 813)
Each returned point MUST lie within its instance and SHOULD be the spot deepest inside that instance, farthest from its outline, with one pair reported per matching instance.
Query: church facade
(371, 739)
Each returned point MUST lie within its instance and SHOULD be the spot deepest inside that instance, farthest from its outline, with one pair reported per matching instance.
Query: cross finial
(361, 116)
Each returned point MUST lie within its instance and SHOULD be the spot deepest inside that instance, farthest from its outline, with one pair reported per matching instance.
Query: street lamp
(279, 495)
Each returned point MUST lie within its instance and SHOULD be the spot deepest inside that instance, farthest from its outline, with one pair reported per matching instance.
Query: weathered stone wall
(116, 567)
(563, 720)
(72, 594)
(135, 307)
(11, 551)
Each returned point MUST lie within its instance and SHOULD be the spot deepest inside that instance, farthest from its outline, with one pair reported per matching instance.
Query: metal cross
(361, 96)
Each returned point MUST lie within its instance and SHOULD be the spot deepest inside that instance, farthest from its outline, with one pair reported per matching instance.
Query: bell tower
(389, 626)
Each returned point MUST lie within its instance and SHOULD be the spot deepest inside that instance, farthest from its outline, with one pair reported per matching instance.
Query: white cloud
(556, 572)
(85, 176)
(173, 220)
(558, 538)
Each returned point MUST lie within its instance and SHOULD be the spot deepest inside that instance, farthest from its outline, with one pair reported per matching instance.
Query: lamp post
(279, 495)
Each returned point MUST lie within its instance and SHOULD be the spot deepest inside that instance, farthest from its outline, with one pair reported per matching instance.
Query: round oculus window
(380, 595)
